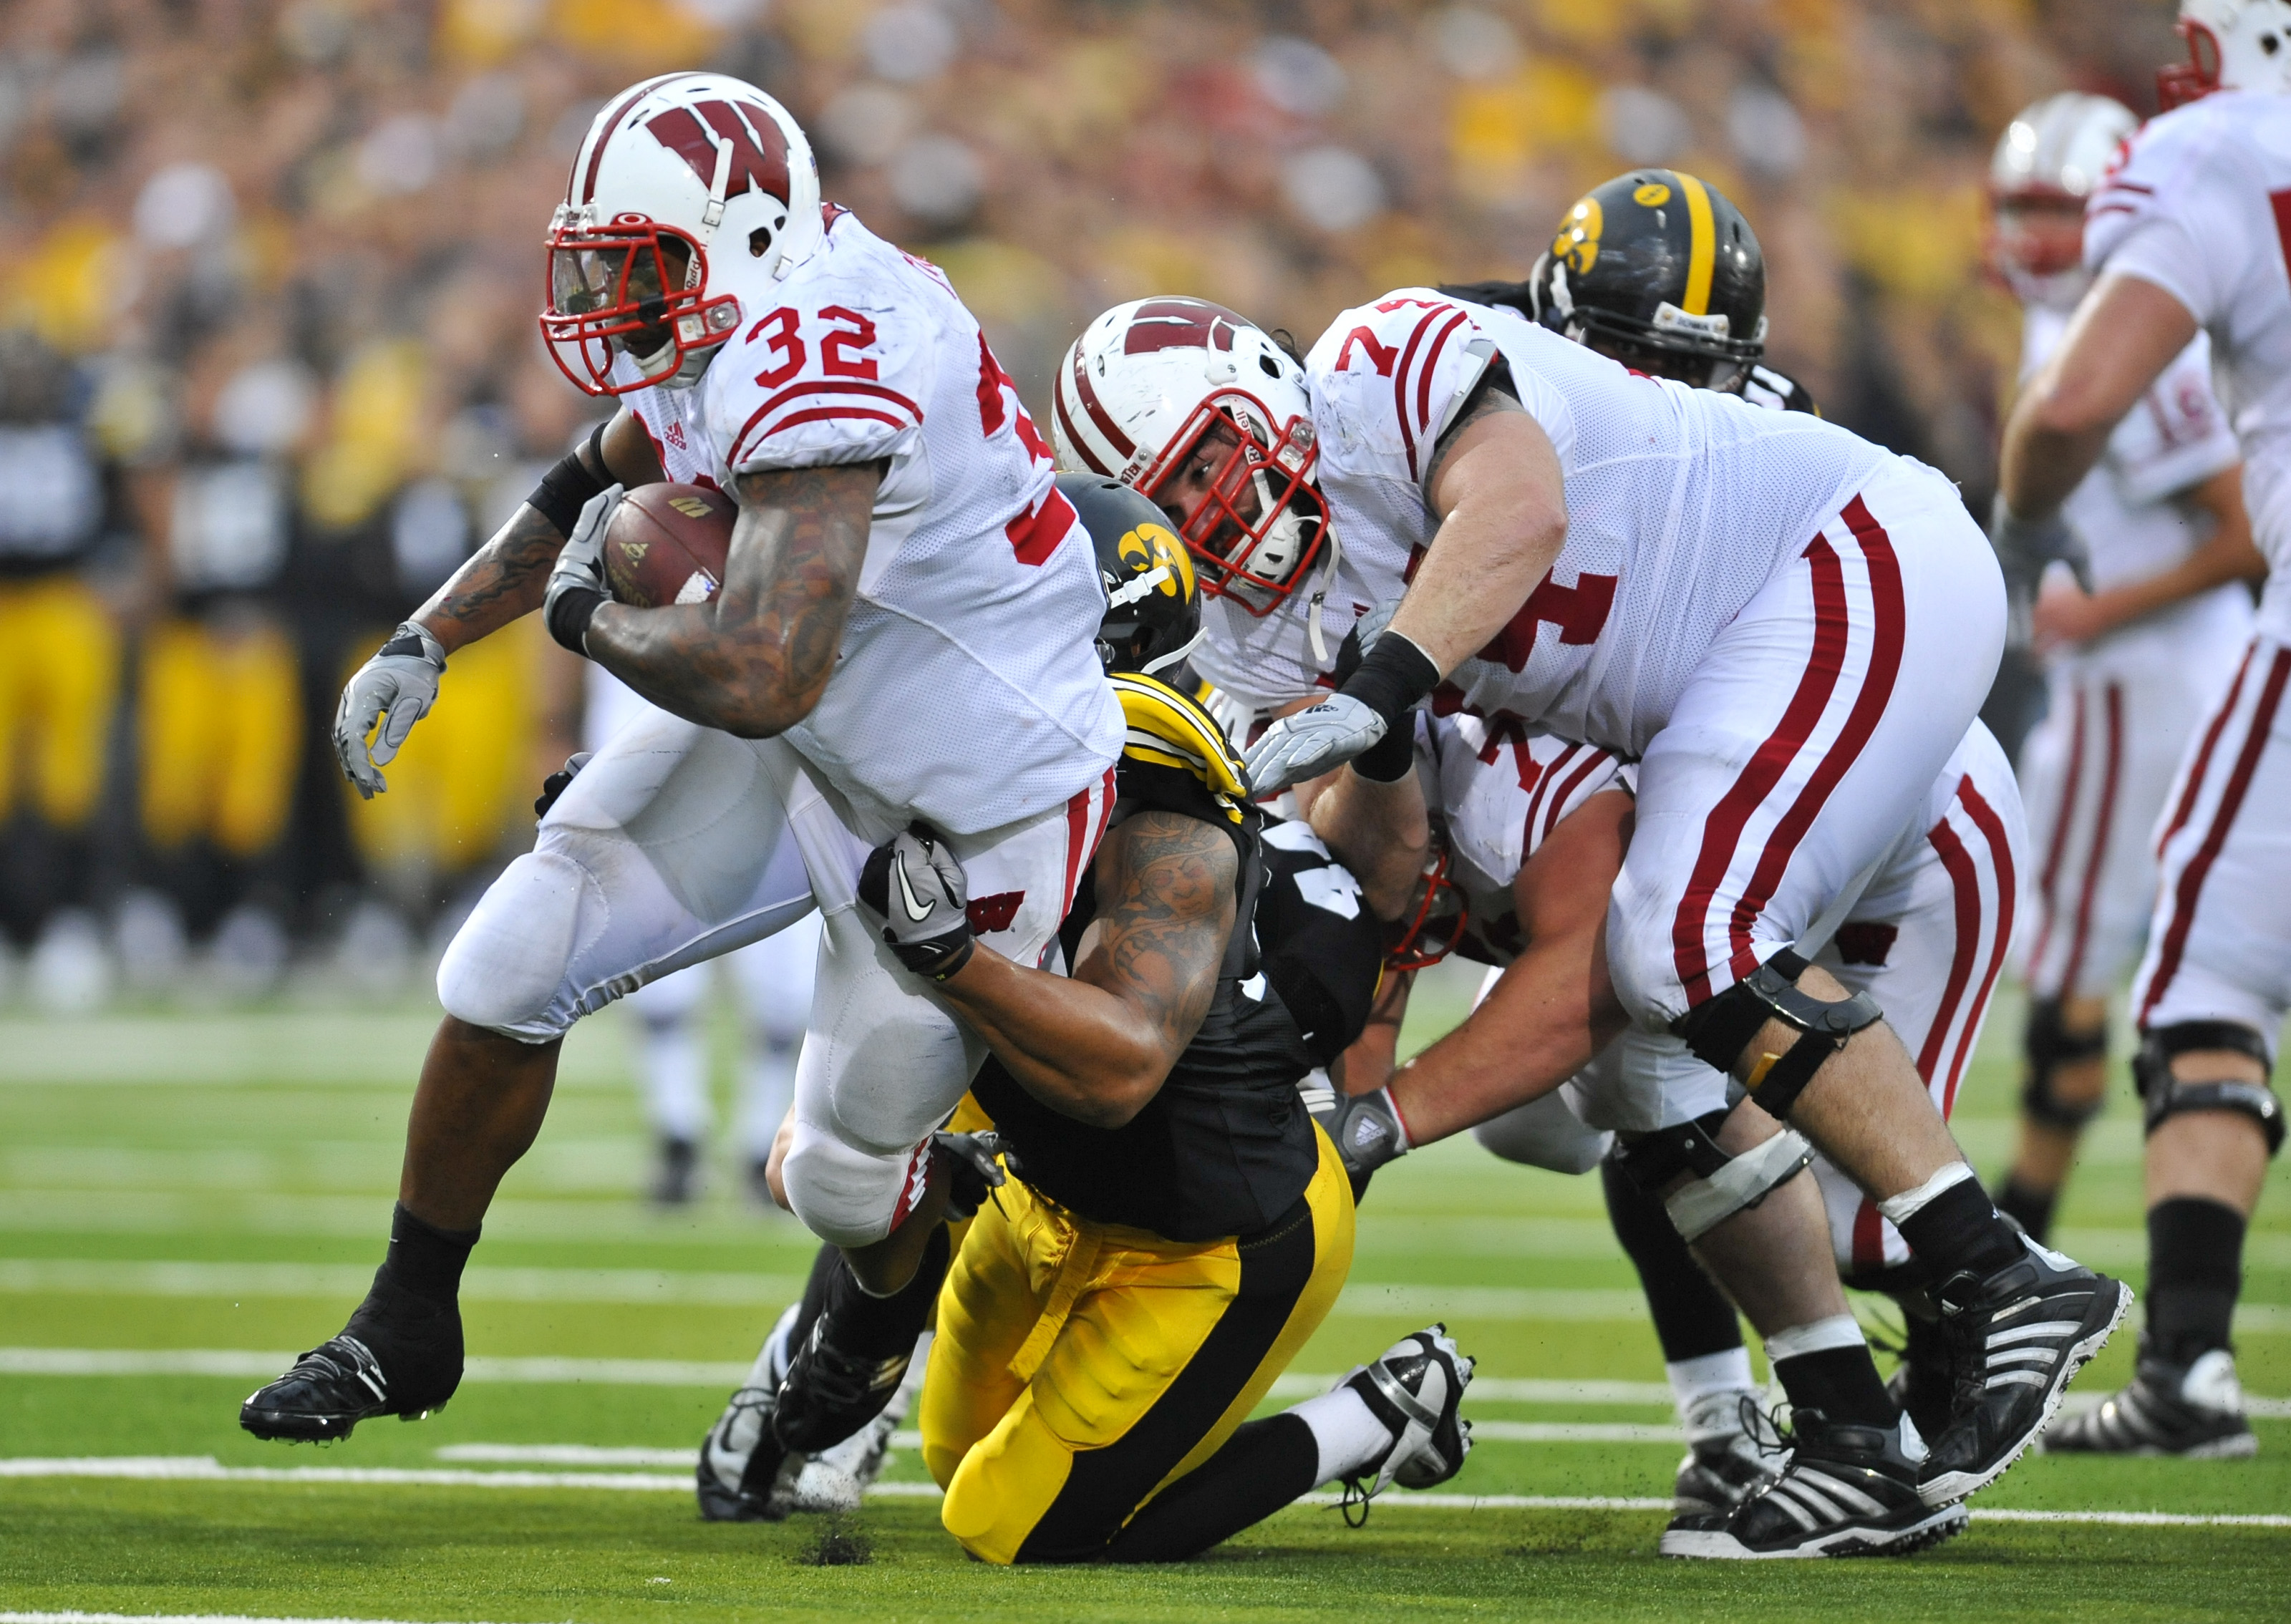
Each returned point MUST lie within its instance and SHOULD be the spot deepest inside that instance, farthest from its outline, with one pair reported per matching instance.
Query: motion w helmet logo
(760, 157)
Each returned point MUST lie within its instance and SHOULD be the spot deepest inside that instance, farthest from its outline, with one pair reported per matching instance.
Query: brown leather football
(666, 544)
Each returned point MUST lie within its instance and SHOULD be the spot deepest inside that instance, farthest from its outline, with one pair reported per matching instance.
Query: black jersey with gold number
(1225, 1148)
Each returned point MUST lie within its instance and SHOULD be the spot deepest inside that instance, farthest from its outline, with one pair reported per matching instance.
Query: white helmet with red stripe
(1205, 414)
(690, 189)
(2233, 45)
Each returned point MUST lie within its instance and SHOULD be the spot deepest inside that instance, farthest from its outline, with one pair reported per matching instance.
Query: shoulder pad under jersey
(1168, 730)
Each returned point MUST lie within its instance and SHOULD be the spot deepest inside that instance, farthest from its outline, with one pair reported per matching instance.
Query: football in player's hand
(666, 544)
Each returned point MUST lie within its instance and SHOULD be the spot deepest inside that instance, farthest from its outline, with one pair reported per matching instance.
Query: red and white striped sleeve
(835, 375)
(1396, 372)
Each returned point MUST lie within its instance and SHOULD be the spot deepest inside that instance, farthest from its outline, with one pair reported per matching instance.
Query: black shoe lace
(1355, 1498)
(1760, 1425)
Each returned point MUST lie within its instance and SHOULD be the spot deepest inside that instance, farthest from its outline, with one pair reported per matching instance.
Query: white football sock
(673, 1063)
(1347, 1430)
(1816, 1336)
(1909, 1203)
(1707, 1376)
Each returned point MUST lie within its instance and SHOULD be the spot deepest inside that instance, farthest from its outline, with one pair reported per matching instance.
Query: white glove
(396, 688)
(576, 585)
(1312, 742)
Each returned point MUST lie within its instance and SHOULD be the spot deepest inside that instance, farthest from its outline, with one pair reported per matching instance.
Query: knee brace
(1720, 1028)
(2163, 1095)
(1719, 1185)
(2047, 1045)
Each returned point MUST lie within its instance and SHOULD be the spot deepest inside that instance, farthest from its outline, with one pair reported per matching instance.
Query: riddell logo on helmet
(758, 150)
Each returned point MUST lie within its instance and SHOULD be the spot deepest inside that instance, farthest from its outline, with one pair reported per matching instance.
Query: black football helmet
(1152, 601)
(1660, 271)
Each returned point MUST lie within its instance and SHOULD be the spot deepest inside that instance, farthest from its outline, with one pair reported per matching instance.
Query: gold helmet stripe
(1702, 251)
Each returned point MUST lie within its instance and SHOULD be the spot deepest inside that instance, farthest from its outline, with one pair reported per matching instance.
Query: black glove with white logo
(913, 888)
(1366, 1129)
(557, 782)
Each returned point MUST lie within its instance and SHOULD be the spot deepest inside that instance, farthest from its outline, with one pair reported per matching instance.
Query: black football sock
(2029, 1207)
(826, 1265)
(1262, 1467)
(2195, 1269)
(1841, 1382)
(885, 1327)
(1693, 1318)
(425, 1261)
(1961, 1229)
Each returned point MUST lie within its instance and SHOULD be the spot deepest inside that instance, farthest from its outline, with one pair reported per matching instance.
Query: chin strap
(1313, 605)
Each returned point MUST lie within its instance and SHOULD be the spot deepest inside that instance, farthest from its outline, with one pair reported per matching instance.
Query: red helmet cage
(1287, 465)
(2180, 83)
(581, 342)
(1435, 920)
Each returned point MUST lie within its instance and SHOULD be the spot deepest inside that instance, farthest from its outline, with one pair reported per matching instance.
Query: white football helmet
(1157, 385)
(2233, 45)
(2047, 162)
(690, 189)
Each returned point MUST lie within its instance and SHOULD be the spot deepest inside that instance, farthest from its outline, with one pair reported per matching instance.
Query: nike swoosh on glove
(1312, 742)
(395, 689)
(576, 585)
(913, 888)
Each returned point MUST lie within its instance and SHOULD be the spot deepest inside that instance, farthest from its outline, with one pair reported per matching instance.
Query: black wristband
(570, 615)
(1390, 758)
(1393, 675)
(566, 489)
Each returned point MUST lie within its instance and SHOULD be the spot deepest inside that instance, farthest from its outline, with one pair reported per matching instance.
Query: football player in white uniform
(903, 636)
(1748, 592)
(2135, 664)
(2188, 235)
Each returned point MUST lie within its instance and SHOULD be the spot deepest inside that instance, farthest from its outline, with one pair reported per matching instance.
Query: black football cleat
(830, 1393)
(732, 1488)
(1847, 1492)
(1922, 1384)
(1718, 1473)
(1415, 1387)
(2192, 1411)
(399, 1356)
(2015, 1337)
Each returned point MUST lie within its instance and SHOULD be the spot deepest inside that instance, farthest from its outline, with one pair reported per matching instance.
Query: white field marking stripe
(1574, 1432)
(244, 1362)
(169, 1618)
(560, 1454)
(1488, 1302)
(206, 1468)
(112, 1277)
(596, 1455)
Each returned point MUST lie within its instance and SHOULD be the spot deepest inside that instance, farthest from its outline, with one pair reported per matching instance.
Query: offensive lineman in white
(2134, 665)
(2191, 233)
(901, 654)
(1739, 615)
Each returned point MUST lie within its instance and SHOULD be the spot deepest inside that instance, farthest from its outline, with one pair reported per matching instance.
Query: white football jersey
(1501, 790)
(2201, 205)
(968, 691)
(1680, 503)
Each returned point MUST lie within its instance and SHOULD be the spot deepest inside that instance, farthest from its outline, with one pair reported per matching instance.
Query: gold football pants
(58, 678)
(221, 735)
(1081, 1368)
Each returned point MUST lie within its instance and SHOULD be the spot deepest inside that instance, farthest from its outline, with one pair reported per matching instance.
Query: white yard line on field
(206, 1468)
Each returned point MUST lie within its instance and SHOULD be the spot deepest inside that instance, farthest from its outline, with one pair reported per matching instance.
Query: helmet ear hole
(760, 242)
(1264, 364)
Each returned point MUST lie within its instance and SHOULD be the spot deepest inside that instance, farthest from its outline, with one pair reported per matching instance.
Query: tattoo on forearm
(501, 581)
(755, 660)
(1170, 882)
(1491, 399)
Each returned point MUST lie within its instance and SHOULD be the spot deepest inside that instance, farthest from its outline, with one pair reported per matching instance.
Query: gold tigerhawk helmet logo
(1150, 546)
(1578, 242)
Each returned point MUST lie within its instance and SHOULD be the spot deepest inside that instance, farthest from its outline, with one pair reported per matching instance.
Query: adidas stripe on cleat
(1415, 1388)
(2194, 1411)
(2016, 1336)
(1847, 1492)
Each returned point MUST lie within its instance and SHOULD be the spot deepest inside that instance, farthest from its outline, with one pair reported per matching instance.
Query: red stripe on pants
(2103, 821)
(1723, 830)
(2000, 857)
(2191, 877)
(2063, 822)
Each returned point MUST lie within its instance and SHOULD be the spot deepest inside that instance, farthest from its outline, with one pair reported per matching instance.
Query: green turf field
(185, 1200)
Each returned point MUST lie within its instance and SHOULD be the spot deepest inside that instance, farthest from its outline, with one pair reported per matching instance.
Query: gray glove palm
(1312, 742)
(395, 689)
(912, 888)
(2025, 549)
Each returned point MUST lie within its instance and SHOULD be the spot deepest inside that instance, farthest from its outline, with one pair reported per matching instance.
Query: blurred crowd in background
(268, 370)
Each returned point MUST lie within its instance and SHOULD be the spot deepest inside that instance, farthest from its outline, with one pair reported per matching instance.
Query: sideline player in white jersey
(2135, 664)
(772, 979)
(903, 644)
(1533, 830)
(2188, 234)
(1749, 589)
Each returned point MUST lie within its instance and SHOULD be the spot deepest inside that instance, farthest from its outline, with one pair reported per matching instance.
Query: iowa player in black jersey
(1659, 270)
(1174, 1227)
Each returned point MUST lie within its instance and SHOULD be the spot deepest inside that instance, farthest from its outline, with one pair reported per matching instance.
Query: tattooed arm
(754, 658)
(505, 578)
(1095, 1046)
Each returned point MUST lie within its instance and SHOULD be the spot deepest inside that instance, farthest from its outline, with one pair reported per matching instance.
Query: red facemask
(609, 294)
